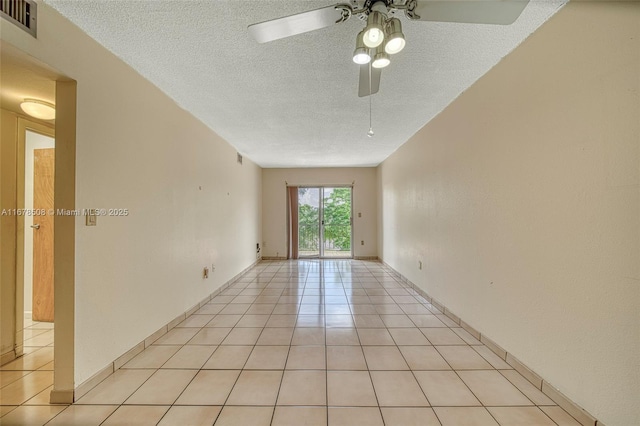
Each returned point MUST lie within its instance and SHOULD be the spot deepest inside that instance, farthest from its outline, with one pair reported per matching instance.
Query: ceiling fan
(382, 35)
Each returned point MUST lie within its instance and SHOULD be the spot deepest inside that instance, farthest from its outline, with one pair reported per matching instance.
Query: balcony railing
(337, 239)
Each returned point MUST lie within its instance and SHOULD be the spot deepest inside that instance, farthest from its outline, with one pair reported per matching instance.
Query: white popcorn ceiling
(294, 102)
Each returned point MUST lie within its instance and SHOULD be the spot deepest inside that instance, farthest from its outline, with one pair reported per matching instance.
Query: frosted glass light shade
(361, 57)
(39, 109)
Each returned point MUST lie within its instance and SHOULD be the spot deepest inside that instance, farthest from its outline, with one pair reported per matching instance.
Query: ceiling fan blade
(500, 12)
(363, 87)
(299, 23)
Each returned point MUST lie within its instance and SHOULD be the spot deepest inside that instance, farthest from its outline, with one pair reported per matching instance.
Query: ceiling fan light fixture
(395, 41)
(361, 57)
(374, 31)
(380, 59)
(39, 109)
(361, 54)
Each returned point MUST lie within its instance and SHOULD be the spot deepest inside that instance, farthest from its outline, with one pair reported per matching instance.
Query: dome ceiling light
(39, 109)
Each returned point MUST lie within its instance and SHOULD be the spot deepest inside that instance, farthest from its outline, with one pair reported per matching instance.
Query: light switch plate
(91, 219)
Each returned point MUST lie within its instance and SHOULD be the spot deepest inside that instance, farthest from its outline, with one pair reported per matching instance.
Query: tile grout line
(255, 285)
(275, 404)
(493, 347)
(375, 394)
(191, 311)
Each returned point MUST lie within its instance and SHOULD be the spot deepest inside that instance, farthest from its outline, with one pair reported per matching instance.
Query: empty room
(278, 212)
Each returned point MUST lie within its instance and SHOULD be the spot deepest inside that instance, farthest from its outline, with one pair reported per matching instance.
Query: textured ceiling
(293, 102)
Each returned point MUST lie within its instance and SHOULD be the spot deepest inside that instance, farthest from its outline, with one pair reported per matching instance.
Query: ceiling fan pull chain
(370, 132)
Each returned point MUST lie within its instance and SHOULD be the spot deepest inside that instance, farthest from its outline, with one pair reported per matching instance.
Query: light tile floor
(28, 380)
(309, 342)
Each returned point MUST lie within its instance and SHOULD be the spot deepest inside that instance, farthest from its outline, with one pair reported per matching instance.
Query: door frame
(24, 125)
(64, 226)
(320, 206)
(321, 221)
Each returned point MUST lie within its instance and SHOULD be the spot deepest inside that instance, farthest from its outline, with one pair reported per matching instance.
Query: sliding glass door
(309, 222)
(336, 222)
(324, 222)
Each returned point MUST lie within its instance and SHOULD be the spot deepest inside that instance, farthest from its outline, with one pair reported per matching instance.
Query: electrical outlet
(420, 264)
(205, 273)
(362, 242)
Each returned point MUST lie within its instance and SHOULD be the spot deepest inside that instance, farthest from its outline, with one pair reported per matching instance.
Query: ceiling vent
(239, 158)
(21, 13)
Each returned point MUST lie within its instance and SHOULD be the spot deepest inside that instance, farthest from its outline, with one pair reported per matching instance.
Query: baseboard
(61, 397)
(82, 389)
(116, 364)
(569, 406)
(376, 258)
(128, 356)
(579, 413)
(7, 357)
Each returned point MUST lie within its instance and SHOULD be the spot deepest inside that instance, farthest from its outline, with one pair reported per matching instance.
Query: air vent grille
(239, 158)
(21, 13)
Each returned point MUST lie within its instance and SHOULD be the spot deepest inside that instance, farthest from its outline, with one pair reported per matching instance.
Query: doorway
(325, 222)
(27, 345)
(39, 169)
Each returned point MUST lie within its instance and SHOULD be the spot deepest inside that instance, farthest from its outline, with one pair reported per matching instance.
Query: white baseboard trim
(116, 364)
(579, 413)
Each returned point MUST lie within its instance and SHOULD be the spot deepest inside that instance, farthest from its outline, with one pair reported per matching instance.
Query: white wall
(522, 199)
(33, 141)
(190, 204)
(274, 202)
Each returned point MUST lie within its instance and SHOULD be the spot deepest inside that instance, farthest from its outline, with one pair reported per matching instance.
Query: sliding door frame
(321, 223)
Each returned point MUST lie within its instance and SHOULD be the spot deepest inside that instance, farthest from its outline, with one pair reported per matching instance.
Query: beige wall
(274, 202)
(522, 199)
(191, 205)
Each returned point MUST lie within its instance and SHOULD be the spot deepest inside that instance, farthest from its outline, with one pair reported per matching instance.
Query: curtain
(292, 209)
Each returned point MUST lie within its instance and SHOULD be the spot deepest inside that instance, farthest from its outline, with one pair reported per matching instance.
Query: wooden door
(43, 175)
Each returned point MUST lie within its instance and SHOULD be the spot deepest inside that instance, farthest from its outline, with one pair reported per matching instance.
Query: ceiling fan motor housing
(368, 6)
